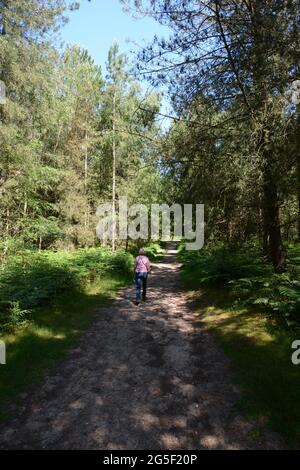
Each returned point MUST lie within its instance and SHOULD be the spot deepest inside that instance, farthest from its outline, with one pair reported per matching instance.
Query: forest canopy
(70, 136)
(233, 74)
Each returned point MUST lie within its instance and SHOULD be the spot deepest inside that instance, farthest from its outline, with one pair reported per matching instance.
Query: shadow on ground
(143, 377)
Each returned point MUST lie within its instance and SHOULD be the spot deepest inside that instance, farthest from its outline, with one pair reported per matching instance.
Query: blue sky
(101, 22)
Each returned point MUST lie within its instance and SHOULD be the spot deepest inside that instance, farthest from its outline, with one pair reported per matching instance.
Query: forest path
(143, 377)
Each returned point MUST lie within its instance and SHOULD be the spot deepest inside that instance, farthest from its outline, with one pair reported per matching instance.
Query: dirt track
(146, 377)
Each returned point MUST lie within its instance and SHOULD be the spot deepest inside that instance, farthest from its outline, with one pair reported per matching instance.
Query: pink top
(141, 264)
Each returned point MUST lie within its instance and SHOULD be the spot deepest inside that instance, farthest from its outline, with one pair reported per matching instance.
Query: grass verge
(260, 353)
(50, 333)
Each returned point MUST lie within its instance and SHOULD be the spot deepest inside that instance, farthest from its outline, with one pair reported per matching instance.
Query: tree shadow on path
(143, 377)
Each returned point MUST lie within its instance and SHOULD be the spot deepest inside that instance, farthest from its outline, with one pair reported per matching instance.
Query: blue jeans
(141, 282)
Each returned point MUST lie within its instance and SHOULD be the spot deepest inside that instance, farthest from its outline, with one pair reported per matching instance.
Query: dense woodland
(73, 136)
(233, 68)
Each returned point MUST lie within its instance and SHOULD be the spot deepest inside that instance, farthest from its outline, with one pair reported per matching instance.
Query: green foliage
(154, 250)
(249, 279)
(30, 279)
(260, 354)
(234, 143)
(255, 319)
(56, 132)
(219, 265)
(12, 315)
(278, 293)
(52, 331)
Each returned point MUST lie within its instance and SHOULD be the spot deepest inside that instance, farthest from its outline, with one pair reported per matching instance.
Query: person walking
(141, 271)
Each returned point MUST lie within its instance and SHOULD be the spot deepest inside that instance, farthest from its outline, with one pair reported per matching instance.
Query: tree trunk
(298, 168)
(114, 176)
(7, 222)
(265, 237)
(86, 177)
(25, 205)
(272, 239)
(272, 230)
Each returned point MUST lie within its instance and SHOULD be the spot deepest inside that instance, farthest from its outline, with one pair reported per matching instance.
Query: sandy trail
(146, 377)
